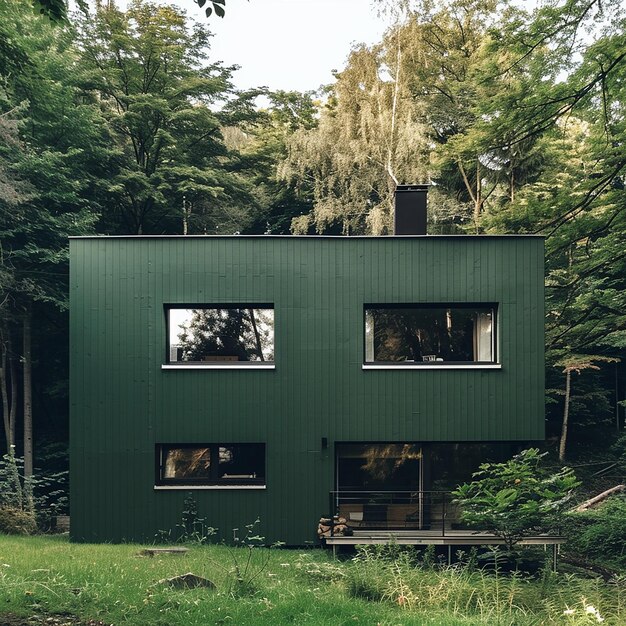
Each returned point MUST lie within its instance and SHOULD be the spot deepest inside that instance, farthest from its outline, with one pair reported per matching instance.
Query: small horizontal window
(211, 464)
(214, 335)
(430, 334)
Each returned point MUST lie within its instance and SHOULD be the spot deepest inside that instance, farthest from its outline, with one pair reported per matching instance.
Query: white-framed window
(210, 464)
(430, 334)
(220, 335)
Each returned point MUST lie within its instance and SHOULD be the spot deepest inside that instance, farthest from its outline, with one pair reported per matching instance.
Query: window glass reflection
(221, 334)
(419, 334)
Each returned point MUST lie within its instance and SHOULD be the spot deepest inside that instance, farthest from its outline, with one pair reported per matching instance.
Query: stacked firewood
(333, 526)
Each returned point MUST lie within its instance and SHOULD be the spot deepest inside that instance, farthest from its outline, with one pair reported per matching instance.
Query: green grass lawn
(47, 580)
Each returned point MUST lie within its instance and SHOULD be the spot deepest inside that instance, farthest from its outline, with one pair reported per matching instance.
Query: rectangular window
(430, 334)
(223, 335)
(211, 464)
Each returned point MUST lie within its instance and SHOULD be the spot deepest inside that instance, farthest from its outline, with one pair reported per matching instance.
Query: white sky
(288, 44)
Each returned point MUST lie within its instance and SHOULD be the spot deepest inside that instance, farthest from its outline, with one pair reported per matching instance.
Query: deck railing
(434, 511)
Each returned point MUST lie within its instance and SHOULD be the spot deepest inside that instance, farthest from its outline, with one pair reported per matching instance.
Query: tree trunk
(478, 202)
(5, 394)
(13, 410)
(257, 337)
(186, 214)
(8, 388)
(28, 392)
(563, 442)
(474, 193)
(394, 109)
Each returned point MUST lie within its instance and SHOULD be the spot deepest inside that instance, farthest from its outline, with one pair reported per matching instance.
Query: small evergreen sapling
(17, 506)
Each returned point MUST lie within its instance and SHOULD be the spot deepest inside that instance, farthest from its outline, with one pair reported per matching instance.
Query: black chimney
(410, 215)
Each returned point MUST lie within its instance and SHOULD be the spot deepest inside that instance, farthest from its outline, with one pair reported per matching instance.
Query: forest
(120, 121)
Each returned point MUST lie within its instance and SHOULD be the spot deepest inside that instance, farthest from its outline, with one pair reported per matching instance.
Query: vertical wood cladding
(123, 403)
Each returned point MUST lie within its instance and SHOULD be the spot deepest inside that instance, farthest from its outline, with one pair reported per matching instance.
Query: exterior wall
(123, 403)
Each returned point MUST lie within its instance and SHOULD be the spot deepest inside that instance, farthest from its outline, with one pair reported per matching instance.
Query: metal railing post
(443, 515)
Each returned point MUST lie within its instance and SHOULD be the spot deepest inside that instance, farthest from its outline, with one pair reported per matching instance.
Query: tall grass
(42, 576)
(394, 576)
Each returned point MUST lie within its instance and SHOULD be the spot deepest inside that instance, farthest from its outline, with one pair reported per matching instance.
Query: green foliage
(109, 581)
(17, 505)
(216, 5)
(599, 534)
(149, 68)
(16, 492)
(265, 148)
(249, 561)
(192, 528)
(516, 498)
(317, 571)
(31, 502)
(55, 10)
(15, 521)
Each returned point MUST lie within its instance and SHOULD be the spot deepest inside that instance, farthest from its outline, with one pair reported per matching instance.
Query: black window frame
(214, 480)
(434, 305)
(167, 307)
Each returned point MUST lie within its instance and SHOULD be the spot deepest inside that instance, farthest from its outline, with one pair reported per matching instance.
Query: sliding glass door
(379, 485)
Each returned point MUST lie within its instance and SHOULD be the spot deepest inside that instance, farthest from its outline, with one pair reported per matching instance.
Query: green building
(285, 378)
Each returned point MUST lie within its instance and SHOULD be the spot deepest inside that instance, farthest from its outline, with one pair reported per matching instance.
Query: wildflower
(591, 610)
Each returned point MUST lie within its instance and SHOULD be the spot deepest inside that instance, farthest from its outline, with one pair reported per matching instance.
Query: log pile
(333, 526)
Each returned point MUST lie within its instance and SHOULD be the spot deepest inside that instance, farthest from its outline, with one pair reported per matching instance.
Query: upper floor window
(220, 334)
(430, 333)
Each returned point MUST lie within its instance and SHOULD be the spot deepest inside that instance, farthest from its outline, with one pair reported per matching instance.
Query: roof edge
(332, 237)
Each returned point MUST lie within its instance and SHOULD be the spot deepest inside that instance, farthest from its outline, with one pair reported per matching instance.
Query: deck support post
(449, 555)
(555, 552)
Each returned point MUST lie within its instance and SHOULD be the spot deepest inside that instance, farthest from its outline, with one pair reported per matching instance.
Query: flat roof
(334, 237)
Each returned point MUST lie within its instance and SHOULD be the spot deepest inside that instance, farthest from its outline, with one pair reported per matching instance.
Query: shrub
(14, 521)
(599, 534)
(17, 507)
(516, 498)
(16, 492)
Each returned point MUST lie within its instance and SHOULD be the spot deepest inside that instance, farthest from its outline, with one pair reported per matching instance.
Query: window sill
(430, 366)
(220, 366)
(209, 487)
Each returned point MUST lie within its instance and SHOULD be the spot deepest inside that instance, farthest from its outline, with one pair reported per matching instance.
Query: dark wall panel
(123, 403)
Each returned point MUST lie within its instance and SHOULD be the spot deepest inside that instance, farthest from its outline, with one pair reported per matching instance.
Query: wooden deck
(436, 538)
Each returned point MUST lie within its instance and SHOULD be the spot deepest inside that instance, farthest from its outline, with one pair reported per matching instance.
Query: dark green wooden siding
(122, 402)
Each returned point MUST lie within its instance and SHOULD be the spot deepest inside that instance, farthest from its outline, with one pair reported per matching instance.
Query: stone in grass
(159, 551)
(187, 581)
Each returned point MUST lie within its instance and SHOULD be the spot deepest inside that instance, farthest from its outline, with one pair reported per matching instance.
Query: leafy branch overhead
(218, 7)
(56, 10)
